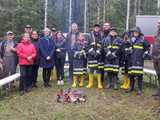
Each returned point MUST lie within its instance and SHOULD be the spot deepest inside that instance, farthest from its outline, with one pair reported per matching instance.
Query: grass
(40, 104)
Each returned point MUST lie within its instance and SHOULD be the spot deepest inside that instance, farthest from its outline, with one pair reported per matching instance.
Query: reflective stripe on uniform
(92, 65)
(137, 47)
(108, 69)
(78, 73)
(115, 47)
(92, 61)
(136, 72)
(78, 69)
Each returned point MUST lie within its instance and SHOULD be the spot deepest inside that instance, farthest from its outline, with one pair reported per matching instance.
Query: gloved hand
(90, 50)
(76, 54)
(114, 55)
(146, 55)
(108, 53)
(128, 50)
(98, 52)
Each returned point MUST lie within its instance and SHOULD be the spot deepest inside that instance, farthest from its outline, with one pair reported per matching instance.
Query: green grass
(40, 104)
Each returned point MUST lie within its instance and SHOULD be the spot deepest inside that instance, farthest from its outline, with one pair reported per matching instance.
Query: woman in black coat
(47, 57)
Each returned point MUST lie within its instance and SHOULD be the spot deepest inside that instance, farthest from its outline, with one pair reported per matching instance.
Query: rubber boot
(99, 81)
(124, 83)
(115, 79)
(74, 81)
(90, 83)
(127, 82)
(132, 83)
(108, 81)
(81, 81)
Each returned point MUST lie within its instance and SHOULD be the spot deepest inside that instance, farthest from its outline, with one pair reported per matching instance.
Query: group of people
(97, 55)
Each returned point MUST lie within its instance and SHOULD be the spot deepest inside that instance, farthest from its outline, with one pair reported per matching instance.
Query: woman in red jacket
(26, 52)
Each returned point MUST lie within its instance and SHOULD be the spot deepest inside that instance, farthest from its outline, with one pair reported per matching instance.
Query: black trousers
(60, 68)
(46, 75)
(133, 78)
(25, 77)
(34, 74)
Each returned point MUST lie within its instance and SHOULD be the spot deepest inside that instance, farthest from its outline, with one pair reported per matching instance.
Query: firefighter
(111, 45)
(124, 59)
(139, 47)
(79, 57)
(94, 57)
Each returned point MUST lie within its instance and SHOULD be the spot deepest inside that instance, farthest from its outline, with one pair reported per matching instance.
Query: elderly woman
(46, 54)
(26, 52)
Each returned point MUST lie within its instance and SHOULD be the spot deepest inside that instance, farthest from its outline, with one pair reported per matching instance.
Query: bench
(151, 74)
(8, 80)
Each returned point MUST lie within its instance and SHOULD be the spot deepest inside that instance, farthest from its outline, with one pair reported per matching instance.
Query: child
(139, 46)
(78, 61)
(111, 46)
(124, 59)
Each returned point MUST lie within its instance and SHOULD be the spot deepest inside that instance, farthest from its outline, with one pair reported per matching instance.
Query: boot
(90, 83)
(81, 81)
(127, 83)
(132, 83)
(108, 82)
(74, 81)
(115, 79)
(99, 81)
(124, 83)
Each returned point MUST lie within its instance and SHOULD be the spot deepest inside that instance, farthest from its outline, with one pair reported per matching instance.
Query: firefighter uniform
(111, 46)
(79, 57)
(95, 58)
(139, 46)
(125, 56)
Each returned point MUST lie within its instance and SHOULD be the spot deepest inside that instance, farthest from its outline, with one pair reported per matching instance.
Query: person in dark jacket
(95, 56)
(139, 47)
(96, 36)
(111, 46)
(60, 44)
(28, 29)
(125, 58)
(8, 53)
(47, 55)
(106, 29)
(79, 61)
(35, 67)
(155, 53)
(70, 39)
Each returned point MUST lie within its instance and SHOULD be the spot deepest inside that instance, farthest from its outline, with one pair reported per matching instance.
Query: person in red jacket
(26, 52)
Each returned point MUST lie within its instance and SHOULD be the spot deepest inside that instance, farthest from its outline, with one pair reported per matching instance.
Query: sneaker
(139, 93)
(58, 82)
(61, 82)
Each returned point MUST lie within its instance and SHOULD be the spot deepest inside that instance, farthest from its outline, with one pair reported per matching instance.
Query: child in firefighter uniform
(125, 58)
(139, 47)
(79, 57)
(94, 57)
(111, 46)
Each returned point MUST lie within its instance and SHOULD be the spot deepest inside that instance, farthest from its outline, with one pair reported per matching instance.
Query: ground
(40, 104)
